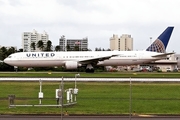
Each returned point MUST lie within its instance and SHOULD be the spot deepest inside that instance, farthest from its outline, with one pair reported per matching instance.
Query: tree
(49, 46)
(40, 45)
(3, 49)
(20, 50)
(11, 50)
(33, 45)
(98, 49)
(3, 53)
(68, 48)
(76, 48)
(102, 49)
(57, 48)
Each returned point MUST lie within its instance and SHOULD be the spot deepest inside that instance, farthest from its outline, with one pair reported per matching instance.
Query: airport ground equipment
(59, 94)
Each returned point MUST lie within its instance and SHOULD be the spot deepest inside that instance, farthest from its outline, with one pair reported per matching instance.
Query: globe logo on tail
(157, 46)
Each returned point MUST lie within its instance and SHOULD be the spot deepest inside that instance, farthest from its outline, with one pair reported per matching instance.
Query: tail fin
(160, 44)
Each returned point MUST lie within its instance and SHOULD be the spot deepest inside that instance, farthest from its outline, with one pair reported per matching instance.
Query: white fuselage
(51, 59)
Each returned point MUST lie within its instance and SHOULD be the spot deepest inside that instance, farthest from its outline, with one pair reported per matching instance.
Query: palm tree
(49, 46)
(40, 45)
(33, 45)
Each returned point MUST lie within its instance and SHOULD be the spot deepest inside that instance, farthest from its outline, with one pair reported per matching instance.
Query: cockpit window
(10, 56)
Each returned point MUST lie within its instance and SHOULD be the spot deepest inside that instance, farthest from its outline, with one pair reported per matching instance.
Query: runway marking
(146, 115)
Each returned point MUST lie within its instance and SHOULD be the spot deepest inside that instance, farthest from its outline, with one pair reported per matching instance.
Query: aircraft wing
(96, 59)
(163, 55)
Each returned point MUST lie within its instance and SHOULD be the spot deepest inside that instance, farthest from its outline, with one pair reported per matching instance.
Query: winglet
(160, 44)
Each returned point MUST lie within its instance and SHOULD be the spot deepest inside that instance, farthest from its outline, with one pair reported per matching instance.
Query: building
(124, 43)
(33, 37)
(73, 44)
(177, 58)
(170, 62)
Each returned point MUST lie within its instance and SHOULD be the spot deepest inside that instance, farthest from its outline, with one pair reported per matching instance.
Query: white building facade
(81, 44)
(123, 43)
(33, 37)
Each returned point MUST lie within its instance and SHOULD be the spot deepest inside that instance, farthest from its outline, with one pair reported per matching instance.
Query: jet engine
(70, 65)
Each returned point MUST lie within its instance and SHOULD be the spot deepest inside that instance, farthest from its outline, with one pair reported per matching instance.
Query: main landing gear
(89, 69)
(16, 68)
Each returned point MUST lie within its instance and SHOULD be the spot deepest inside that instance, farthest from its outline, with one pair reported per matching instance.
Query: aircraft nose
(6, 60)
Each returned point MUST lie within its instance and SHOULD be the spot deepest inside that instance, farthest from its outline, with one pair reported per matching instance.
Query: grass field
(93, 75)
(95, 98)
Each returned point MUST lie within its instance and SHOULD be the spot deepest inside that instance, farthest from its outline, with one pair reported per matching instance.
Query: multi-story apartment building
(73, 44)
(124, 43)
(29, 37)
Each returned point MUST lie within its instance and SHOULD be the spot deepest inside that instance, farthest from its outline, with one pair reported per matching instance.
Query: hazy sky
(96, 19)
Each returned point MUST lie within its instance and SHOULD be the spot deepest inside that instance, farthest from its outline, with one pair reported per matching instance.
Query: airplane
(72, 60)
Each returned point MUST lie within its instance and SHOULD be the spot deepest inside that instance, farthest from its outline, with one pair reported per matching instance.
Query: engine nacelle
(70, 65)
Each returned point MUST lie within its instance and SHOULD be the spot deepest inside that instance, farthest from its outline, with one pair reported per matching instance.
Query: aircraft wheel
(89, 70)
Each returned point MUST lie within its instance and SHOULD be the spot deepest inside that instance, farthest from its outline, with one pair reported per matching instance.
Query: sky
(97, 20)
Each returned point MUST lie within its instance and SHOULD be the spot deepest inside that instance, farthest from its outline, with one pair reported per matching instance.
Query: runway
(56, 117)
(94, 79)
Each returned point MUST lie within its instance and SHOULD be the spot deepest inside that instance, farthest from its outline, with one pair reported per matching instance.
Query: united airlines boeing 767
(72, 60)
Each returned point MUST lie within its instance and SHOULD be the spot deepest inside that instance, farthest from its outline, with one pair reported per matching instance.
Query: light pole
(150, 40)
(130, 100)
(76, 75)
(75, 89)
(40, 92)
(62, 89)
